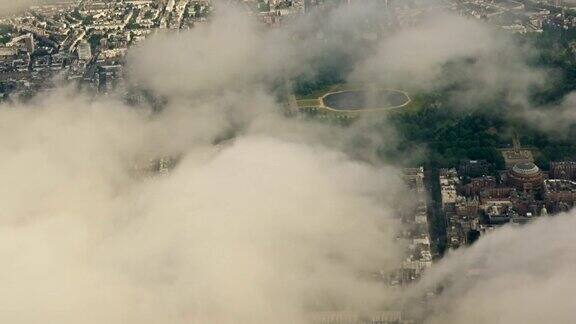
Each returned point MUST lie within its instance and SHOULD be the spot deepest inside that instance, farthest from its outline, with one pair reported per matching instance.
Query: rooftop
(525, 168)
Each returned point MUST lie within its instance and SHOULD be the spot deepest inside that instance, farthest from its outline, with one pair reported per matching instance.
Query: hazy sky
(8, 7)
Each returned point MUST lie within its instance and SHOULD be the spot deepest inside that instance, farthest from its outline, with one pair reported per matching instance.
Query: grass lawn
(308, 102)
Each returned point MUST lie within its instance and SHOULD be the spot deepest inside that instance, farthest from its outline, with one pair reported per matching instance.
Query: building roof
(526, 168)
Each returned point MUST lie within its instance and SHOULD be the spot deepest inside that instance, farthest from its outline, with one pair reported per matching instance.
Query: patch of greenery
(435, 133)
(94, 41)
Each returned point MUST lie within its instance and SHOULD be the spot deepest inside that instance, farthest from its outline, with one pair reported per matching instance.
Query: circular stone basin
(365, 99)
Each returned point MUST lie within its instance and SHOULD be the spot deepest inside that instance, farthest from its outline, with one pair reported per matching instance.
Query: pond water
(365, 99)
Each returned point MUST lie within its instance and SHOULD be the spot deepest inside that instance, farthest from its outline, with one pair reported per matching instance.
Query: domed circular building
(525, 177)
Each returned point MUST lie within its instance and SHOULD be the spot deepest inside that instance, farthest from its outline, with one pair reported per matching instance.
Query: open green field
(308, 103)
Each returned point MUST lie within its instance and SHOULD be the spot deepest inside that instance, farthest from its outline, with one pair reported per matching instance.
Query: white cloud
(514, 275)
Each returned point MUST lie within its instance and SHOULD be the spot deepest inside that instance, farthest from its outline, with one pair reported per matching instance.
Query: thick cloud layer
(487, 62)
(258, 229)
(227, 53)
(514, 275)
(251, 231)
